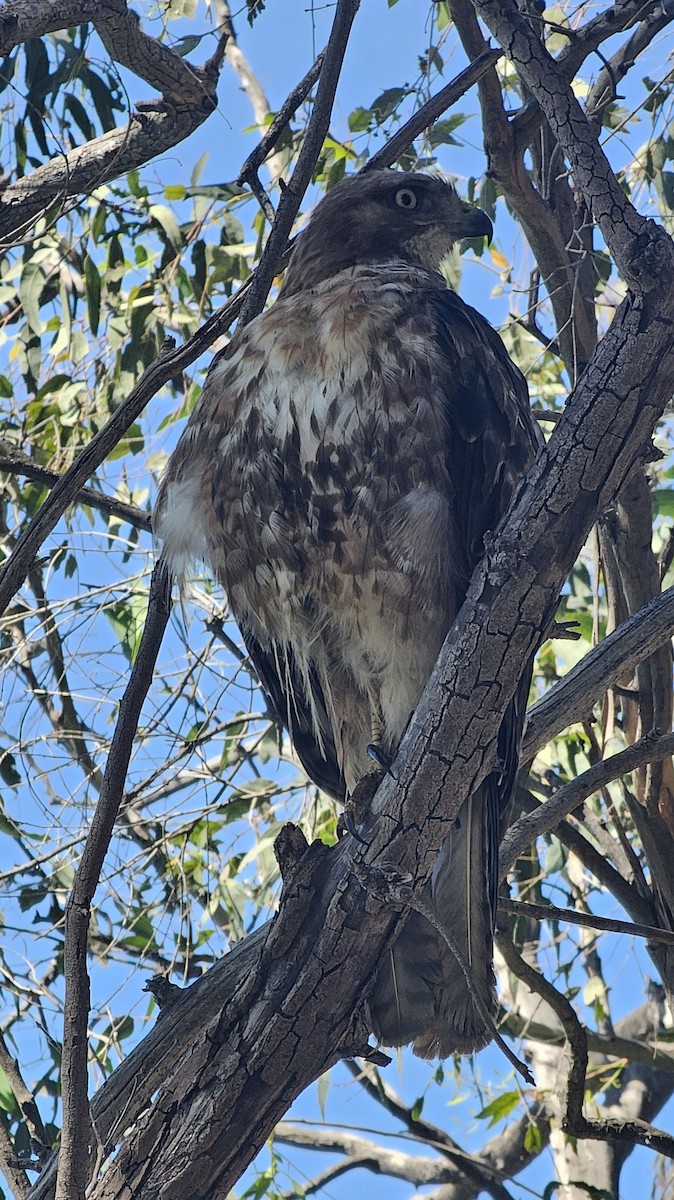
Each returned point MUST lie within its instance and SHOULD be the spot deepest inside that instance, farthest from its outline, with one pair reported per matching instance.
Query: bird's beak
(475, 223)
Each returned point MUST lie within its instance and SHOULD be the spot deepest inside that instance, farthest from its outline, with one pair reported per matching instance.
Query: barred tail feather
(420, 994)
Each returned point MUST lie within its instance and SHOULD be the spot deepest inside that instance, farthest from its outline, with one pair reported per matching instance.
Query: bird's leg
(374, 749)
(359, 800)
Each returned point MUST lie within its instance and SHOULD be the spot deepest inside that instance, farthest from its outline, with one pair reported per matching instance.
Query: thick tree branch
(361, 1152)
(188, 96)
(13, 1172)
(80, 171)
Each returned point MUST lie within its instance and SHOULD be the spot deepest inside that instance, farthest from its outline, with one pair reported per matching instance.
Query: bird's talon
(347, 824)
(377, 755)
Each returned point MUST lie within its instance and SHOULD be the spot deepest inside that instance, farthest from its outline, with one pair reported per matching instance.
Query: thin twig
(393, 886)
(281, 120)
(317, 128)
(418, 903)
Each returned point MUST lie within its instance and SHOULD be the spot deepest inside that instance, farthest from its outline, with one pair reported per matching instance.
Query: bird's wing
(284, 686)
(420, 994)
(493, 440)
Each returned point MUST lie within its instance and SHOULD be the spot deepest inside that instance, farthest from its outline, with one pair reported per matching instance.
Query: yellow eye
(406, 198)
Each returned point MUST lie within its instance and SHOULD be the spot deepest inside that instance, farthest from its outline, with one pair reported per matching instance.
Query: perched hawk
(351, 448)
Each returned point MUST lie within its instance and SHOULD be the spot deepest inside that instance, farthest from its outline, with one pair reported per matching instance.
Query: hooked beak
(475, 223)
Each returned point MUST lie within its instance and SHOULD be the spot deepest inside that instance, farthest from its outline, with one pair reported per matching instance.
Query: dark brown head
(380, 216)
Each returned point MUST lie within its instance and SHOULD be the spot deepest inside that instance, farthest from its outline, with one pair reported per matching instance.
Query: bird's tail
(421, 995)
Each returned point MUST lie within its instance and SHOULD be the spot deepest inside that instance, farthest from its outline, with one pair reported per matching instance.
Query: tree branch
(15, 462)
(640, 248)
(429, 112)
(548, 912)
(574, 1122)
(573, 697)
(651, 748)
(188, 97)
(73, 1168)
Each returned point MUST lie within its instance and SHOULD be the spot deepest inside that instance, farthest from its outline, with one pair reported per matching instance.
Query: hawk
(351, 448)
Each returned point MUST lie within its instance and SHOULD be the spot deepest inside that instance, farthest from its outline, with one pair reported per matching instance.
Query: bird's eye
(406, 198)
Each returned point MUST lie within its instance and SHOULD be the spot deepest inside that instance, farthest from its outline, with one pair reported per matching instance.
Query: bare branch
(548, 912)
(177, 80)
(363, 1153)
(573, 697)
(23, 19)
(24, 1097)
(317, 128)
(188, 97)
(603, 90)
(640, 248)
(247, 77)
(14, 1173)
(574, 1121)
(17, 463)
(281, 120)
(73, 1169)
(651, 748)
(429, 112)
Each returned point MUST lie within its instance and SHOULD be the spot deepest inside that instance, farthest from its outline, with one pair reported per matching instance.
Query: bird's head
(379, 216)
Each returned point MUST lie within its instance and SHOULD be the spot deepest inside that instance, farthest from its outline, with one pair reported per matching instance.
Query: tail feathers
(420, 994)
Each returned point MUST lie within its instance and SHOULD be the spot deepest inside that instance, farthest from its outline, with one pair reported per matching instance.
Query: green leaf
(594, 989)
(440, 134)
(127, 618)
(168, 224)
(79, 116)
(359, 120)
(387, 103)
(31, 285)
(92, 291)
(442, 15)
(533, 1142)
(8, 771)
(500, 1108)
